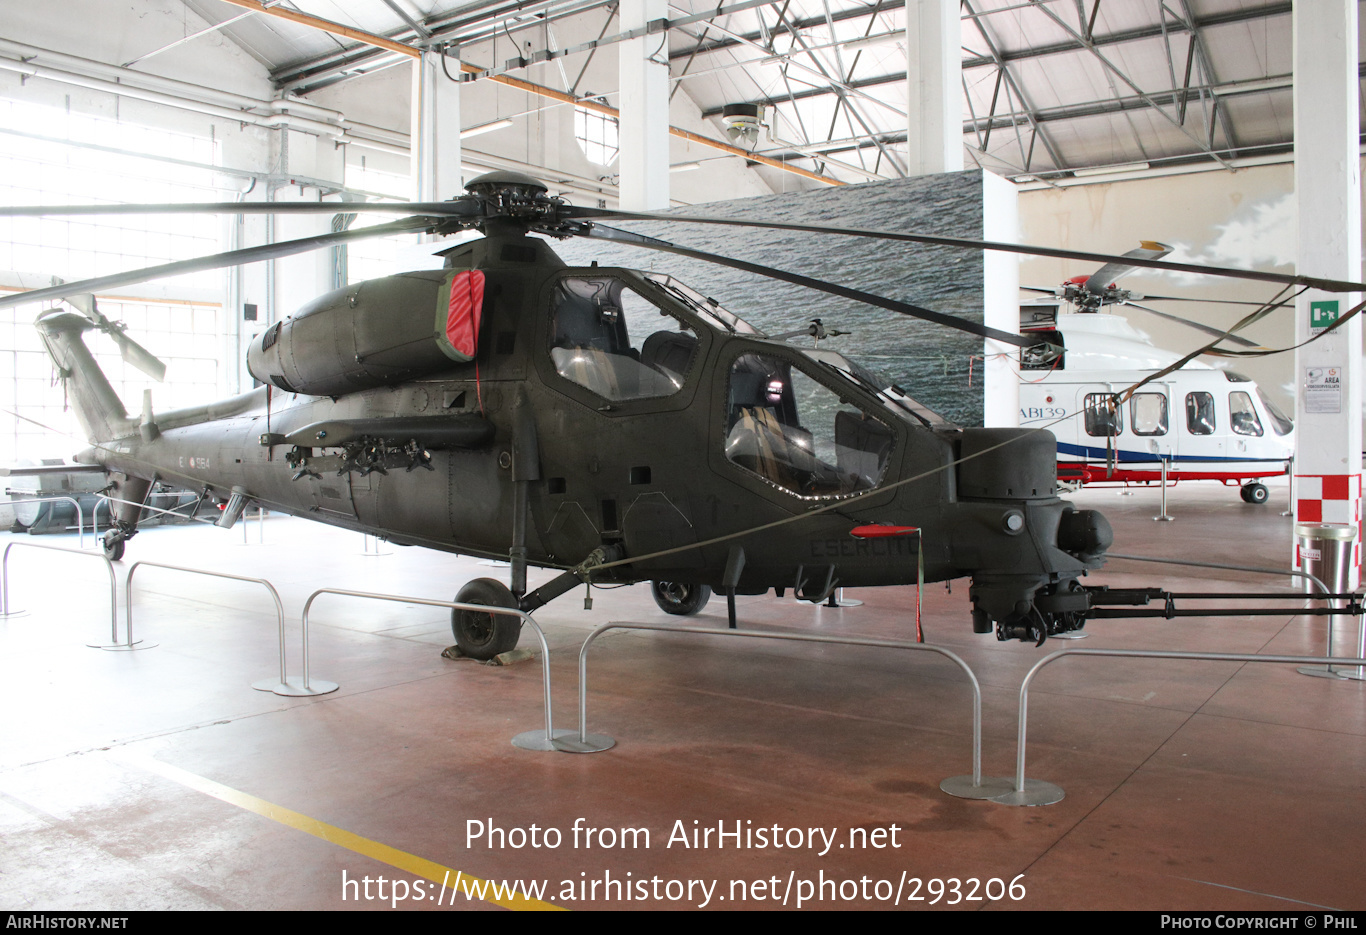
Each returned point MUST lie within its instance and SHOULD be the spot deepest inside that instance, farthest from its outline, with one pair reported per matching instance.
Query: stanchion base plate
(1356, 675)
(14, 613)
(292, 690)
(1163, 519)
(845, 602)
(992, 786)
(536, 740)
(1319, 672)
(592, 743)
(122, 647)
(1070, 635)
(1035, 792)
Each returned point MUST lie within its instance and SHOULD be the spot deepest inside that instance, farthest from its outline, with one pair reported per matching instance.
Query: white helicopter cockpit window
(1103, 418)
(1148, 413)
(1200, 413)
(1242, 417)
(1280, 422)
(795, 433)
(613, 341)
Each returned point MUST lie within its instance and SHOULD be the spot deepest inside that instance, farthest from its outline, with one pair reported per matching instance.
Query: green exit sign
(1323, 314)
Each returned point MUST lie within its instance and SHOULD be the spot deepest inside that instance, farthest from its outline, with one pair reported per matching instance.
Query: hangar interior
(157, 778)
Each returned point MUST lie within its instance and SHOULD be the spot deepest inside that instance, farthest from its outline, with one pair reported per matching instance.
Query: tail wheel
(1255, 493)
(683, 600)
(113, 543)
(482, 635)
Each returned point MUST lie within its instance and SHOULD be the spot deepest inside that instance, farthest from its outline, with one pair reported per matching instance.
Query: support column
(1328, 197)
(644, 74)
(1000, 303)
(295, 280)
(435, 130)
(934, 87)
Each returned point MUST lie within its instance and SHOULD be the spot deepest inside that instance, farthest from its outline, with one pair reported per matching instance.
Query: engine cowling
(372, 334)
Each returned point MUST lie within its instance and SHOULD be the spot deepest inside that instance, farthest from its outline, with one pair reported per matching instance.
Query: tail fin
(98, 408)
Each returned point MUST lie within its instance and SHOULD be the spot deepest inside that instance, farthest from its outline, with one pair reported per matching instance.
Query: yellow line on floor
(409, 863)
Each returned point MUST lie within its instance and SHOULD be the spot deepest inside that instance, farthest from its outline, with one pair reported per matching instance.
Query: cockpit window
(611, 340)
(793, 432)
(710, 311)
(891, 395)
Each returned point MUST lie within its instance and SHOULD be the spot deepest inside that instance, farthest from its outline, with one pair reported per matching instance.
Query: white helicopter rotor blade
(1104, 277)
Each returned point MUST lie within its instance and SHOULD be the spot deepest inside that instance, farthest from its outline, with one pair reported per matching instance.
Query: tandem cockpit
(635, 338)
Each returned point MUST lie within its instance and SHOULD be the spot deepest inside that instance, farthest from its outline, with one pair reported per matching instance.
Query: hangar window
(596, 340)
(598, 135)
(798, 434)
(1200, 413)
(84, 158)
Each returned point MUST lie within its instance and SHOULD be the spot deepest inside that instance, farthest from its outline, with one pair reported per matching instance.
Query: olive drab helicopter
(612, 424)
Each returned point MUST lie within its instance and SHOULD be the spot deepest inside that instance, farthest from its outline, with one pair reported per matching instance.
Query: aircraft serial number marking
(194, 463)
(852, 548)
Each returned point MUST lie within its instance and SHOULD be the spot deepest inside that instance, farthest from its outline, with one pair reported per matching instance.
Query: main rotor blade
(1102, 278)
(1207, 329)
(219, 260)
(601, 232)
(1314, 282)
(1181, 298)
(459, 209)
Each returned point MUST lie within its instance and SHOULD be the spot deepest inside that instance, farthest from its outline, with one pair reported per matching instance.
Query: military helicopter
(613, 424)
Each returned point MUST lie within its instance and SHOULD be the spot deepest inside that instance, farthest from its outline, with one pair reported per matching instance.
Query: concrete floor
(159, 779)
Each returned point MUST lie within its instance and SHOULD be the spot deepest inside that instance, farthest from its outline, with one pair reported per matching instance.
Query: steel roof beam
(1128, 35)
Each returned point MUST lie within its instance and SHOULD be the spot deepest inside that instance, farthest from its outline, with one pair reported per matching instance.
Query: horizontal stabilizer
(39, 470)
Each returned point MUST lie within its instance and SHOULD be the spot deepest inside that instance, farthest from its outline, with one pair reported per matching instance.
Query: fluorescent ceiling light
(1108, 170)
(880, 39)
(485, 128)
(685, 167)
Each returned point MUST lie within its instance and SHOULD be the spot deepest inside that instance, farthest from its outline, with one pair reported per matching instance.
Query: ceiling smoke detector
(743, 122)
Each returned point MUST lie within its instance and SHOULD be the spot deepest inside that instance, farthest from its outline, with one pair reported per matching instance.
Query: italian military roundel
(463, 311)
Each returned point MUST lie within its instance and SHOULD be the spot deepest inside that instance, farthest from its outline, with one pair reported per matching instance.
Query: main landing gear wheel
(683, 600)
(483, 635)
(1255, 493)
(112, 543)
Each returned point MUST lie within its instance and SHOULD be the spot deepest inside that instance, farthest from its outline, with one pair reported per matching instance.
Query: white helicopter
(1204, 423)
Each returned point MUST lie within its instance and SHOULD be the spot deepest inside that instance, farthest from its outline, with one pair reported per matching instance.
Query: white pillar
(644, 73)
(1328, 196)
(934, 87)
(435, 130)
(302, 277)
(1000, 303)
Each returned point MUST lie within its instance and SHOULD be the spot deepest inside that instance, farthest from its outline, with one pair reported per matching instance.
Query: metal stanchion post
(1290, 485)
(1164, 518)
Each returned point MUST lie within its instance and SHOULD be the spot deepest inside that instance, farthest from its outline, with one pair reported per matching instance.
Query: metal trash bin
(1324, 550)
